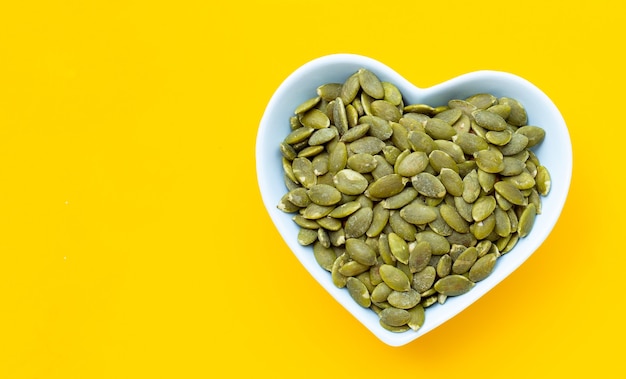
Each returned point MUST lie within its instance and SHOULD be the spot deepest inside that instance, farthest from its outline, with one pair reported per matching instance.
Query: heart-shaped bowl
(555, 152)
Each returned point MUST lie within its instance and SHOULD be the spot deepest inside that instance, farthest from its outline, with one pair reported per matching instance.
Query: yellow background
(133, 239)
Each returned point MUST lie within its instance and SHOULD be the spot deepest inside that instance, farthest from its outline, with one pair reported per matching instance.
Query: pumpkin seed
(394, 316)
(465, 260)
(399, 248)
(358, 292)
(394, 278)
(453, 285)
(439, 129)
(370, 84)
(385, 110)
(543, 180)
(418, 213)
(482, 268)
(404, 299)
(526, 220)
(360, 251)
(489, 120)
(358, 222)
(386, 186)
(428, 185)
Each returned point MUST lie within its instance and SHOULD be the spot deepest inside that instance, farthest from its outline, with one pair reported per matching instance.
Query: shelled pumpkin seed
(407, 205)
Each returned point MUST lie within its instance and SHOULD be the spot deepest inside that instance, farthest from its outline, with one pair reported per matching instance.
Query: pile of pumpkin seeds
(408, 204)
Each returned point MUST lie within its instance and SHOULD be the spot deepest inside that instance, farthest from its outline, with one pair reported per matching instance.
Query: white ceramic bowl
(555, 153)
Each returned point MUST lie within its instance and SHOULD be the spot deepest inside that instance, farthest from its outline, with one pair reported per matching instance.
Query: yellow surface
(133, 239)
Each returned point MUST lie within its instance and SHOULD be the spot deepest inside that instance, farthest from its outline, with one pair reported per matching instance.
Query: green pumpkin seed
(370, 83)
(453, 285)
(503, 223)
(516, 145)
(329, 91)
(394, 317)
(299, 197)
(418, 316)
(350, 182)
(490, 161)
(471, 143)
(466, 107)
(394, 278)
(399, 248)
(402, 227)
(500, 138)
(322, 136)
(329, 223)
(384, 251)
(510, 192)
(526, 220)
(344, 210)
(324, 194)
(386, 186)
(517, 116)
(305, 222)
(439, 129)
(439, 159)
(419, 108)
(315, 119)
(362, 162)
(482, 229)
(534, 134)
(380, 217)
(428, 185)
(423, 280)
(418, 214)
(543, 180)
(452, 181)
(307, 236)
(486, 180)
(307, 105)
(420, 141)
(444, 266)
(453, 218)
(392, 93)
(483, 207)
(358, 292)
(482, 268)
(324, 256)
(419, 256)
(450, 115)
(404, 299)
(360, 251)
(463, 208)
(482, 100)
(439, 244)
(471, 187)
(337, 158)
(353, 268)
(385, 110)
(522, 181)
(400, 200)
(367, 145)
(465, 261)
(489, 120)
(412, 164)
(358, 222)
(381, 292)
(350, 88)
(340, 118)
(503, 110)
(355, 133)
